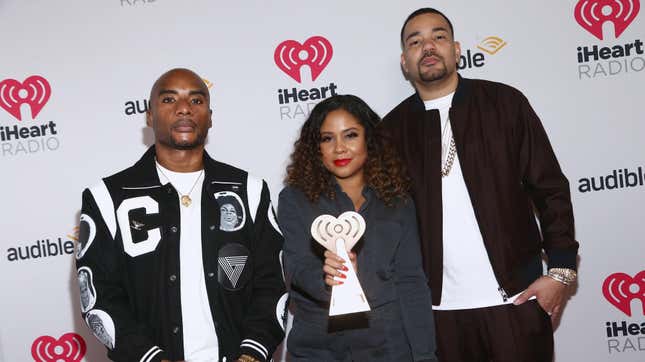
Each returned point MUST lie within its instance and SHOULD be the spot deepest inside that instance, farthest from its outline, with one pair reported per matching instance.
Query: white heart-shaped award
(339, 235)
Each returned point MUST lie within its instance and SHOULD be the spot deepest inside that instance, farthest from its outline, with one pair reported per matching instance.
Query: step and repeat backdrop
(75, 77)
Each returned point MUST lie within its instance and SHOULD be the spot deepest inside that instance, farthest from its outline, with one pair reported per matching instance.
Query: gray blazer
(400, 325)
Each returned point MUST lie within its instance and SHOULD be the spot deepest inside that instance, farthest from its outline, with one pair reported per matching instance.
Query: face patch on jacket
(102, 326)
(86, 234)
(231, 210)
(281, 310)
(233, 272)
(87, 290)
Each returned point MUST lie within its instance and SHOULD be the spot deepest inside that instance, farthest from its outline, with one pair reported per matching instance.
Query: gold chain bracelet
(565, 276)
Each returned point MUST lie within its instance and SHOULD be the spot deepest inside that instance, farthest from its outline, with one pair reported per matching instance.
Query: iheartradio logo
(592, 14)
(70, 347)
(290, 56)
(620, 289)
(34, 91)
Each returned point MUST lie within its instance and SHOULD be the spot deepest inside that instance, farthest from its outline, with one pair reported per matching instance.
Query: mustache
(428, 54)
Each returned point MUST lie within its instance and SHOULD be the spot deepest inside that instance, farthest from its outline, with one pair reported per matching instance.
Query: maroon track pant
(505, 333)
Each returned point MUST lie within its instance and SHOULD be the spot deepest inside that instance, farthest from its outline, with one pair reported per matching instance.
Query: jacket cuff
(254, 349)
(559, 258)
(154, 354)
(312, 282)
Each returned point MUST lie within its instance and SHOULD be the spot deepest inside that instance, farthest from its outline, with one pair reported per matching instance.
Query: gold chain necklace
(185, 198)
(445, 169)
(452, 151)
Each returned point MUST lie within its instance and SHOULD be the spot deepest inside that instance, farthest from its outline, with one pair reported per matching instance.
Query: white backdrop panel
(101, 57)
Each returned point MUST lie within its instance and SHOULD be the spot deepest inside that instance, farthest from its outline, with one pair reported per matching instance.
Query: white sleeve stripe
(154, 354)
(272, 219)
(256, 346)
(280, 258)
(146, 356)
(155, 350)
(106, 205)
(253, 194)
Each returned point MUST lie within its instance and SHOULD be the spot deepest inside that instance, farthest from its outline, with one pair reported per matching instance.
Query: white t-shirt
(200, 338)
(468, 278)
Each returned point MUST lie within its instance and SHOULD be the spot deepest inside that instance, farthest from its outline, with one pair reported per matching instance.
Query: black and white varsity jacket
(128, 264)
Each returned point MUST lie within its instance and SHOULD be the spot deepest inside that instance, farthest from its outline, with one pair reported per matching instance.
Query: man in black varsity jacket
(162, 278)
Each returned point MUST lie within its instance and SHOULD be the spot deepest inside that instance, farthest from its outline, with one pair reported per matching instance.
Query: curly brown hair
(384, 171)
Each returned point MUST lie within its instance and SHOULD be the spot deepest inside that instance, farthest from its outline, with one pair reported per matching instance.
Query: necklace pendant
(186, 200)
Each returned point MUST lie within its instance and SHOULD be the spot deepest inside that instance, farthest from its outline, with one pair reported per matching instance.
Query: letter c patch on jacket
(233, 271)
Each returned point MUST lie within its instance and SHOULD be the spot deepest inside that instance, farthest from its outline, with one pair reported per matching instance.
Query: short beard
(431, 75)
(183, 145)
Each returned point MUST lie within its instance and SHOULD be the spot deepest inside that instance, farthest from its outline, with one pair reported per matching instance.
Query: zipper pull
(503, 293)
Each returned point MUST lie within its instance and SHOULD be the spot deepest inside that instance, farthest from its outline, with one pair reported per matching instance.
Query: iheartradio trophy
(339, 235)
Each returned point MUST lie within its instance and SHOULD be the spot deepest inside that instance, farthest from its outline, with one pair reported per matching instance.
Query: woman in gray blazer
(341, 163)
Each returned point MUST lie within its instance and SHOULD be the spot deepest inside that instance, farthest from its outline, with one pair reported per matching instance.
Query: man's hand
(550, 294)
(334, 267)
(246, 358)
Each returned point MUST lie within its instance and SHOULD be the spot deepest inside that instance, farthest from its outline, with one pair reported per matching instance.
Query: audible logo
(136, 107)
(473, 59)
(492, 44)
(617, 179)
(141, 106)
(44, 248)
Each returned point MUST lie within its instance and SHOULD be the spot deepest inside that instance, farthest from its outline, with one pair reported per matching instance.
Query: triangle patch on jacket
(233, 267)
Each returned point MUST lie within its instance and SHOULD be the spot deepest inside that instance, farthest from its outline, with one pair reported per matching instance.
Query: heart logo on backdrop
(70, 347)
(316, 53)
(34, 91)
(620, 289)
(349, 226)
(592, 14)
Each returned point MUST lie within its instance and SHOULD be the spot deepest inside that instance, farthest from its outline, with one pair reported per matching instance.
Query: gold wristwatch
(565, 276)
